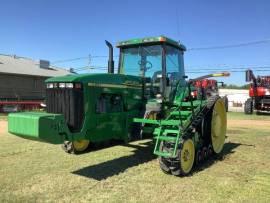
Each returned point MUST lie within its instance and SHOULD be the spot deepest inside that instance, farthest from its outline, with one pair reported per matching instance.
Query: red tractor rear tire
(248, 106)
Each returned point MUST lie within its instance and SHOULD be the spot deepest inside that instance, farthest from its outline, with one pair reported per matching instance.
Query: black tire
(211, 101)
(248, 106)
(177, 167)
(199, 157)
(173, 165)
(67, 146)
(164, 164)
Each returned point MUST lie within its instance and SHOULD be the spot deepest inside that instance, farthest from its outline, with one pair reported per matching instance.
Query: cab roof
(151, 40)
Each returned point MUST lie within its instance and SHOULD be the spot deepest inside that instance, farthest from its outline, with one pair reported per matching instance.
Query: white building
(236, 98)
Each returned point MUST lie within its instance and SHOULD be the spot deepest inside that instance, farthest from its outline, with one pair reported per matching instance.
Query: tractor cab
(158, 60)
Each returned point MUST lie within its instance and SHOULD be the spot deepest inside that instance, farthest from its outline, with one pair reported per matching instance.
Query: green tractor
(148, 95)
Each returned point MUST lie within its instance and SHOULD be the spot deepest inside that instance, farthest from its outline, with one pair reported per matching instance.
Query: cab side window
(109, 103)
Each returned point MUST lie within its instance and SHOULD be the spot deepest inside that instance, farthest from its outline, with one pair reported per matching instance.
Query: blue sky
(62, 29)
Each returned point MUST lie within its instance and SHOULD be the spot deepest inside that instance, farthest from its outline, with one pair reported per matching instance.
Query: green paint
(150, 40)
(122, 95)
(97, 126)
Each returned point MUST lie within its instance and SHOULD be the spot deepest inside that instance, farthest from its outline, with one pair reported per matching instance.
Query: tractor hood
(102, 78)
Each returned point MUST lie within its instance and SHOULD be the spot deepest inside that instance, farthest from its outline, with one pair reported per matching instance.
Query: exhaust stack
(110, 61)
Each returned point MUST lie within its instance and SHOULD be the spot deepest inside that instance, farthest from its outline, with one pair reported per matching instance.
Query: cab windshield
(148, 61)
(141, 61)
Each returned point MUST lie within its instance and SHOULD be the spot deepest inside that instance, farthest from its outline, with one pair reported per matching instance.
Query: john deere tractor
(149, 94)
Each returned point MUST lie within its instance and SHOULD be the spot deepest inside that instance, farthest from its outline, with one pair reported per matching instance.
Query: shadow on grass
(142, 154)
(229, 148)
(262, 113)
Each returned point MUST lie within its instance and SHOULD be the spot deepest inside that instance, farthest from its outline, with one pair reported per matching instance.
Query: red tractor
(209, 87)
(259, 93)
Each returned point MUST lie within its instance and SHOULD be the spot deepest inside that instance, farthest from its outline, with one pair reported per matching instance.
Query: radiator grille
(68, 102)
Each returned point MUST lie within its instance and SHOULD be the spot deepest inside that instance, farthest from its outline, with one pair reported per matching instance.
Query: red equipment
(208, 87)
(13, 106)
(259, 93)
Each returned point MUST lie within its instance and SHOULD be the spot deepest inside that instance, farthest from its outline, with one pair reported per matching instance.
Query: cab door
(110, 117)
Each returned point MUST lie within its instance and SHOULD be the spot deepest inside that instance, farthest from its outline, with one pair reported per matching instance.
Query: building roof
(24, 66)
(151, 40)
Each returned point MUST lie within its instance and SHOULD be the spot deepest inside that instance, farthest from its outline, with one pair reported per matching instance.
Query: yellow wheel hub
(80, 145)
(218, 126)
(187, 156)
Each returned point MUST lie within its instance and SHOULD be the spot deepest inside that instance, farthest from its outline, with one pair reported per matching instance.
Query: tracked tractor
(149, 94)
(259, 93)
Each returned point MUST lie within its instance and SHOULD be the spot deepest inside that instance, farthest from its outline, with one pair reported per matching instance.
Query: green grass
(39, 172)
(242, 116)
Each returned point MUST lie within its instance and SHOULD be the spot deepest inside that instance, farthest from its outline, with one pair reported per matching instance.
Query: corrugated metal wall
(21, 87)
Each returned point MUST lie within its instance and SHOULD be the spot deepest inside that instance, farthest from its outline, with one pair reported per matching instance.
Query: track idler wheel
(163, 162)
(186, 158)
(75, 147)
(205, 153)
(218, 126)
(199, 157)
(210, 151)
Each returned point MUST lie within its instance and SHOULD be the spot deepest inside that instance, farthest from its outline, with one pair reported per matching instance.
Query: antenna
(177, 22)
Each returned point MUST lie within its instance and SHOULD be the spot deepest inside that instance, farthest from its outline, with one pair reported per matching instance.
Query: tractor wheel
(75, 147)
(218, 126)
(163, 163)
(186, 156)
(248, 106)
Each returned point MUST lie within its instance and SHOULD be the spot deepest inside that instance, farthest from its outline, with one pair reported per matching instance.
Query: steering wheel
(144, 63)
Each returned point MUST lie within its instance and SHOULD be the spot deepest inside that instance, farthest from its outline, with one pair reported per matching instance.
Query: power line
(89, 68)
(80, 58)
(251, 43)
(200, 71)
(231, 71)
(234, 68)
(69, 60)
(231, 45)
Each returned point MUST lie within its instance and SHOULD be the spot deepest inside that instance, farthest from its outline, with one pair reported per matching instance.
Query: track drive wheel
(218, 126)
(248, 106)
(75, 147)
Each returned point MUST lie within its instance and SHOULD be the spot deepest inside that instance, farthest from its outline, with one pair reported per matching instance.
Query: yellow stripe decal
(114, 85)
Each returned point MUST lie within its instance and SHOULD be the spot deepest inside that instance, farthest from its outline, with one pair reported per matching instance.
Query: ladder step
(182, 113)
(163, 154)
(169, 131)
(170, 122)
(166, 132)
(195, 103)
(166, 138)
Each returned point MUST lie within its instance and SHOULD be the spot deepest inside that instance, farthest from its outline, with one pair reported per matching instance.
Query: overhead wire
(250, 43)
